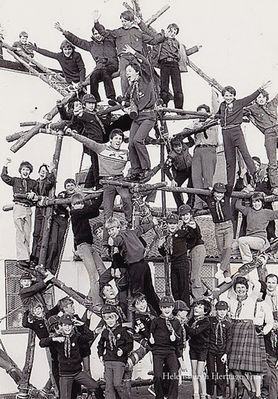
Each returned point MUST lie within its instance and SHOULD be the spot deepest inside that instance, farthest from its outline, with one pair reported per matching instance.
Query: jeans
(198, 255)
(83, 378)
(224, 238)
(180, 176)
(94, 266)
(233, 139)
(138, 153)
(171, 69)
(104, 75)
(246, 243)
(22, 221)
(92, 178)
(168, 357)
(113, 374)
(124, 61)
(271, 152)
(56, 241)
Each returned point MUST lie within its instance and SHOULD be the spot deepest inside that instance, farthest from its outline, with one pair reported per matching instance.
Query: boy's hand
(174, 183)
(96, 15)
(151, 339)
(129, 50)
(58, 27)
(265, 85)
(8, 160)
(58, 339)
(224, 358)
(110, 241)
(31, 195)
(199, 46)
(117, 273)
(101, 359)
(77, 323)
(120, 352)
(137, 19)
(48, 276)
(161, 241)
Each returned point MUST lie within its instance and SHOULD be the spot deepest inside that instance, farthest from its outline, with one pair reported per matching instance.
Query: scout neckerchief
(67, 343)
(219, 331)
(219, 211)
(239, 305)
(115, 302)
(111, 336)
(169, 324)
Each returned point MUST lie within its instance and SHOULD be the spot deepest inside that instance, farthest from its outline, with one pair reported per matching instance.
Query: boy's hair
(257, 159)
(63, 302)
(271, 275)
(43, 166)
(128, 15)
(203, 106)
(66, 43)
(139, 297)
(230, 89)
(69, 181)
(207, 305)
(135, 66)
(175, 26)
(77, 197)
(34, 304)
(241, 280)
(23, 33)
(25, 164)
(265, 94)
(116, 132)
(112, 222)
(258, 196)
(176, 141)
(102, 288)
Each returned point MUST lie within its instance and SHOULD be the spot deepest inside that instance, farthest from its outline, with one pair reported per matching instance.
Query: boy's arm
(271, 215)
(195, 331)
(88, 212)
(143, 228)
(44, 342)
(93, 145)
(144, 63)
(77, 41)
(46, 53)
(25, 321)
(128, 343)
(50, 181)
(243, 209)
(34, 289)
(6, 178)
(150, 35)
(81, 67)
(101, 345)
(105, 32)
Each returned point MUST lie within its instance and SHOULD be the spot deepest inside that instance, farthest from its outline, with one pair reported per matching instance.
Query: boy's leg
(198, 255)
(197, 175)
(175, 282)
(221, 380)
(122, 65)
(65, 384)
(177, 86)
(119, 369)
(173, 367)
(92, 385)
(95, 78)
(126, 199)
(224, 240)
(208, 165)
(19, 213)
(230, 155)
(38, 224)
(158, 362)
(164, 82)
(149, 290)
(92, 178)
(109, 194)
(211, 373)
(59, 235)
(139, 142)
(108, 82)
(271, 152)
(180, 178)
(109, 380)
(28, 228)
(246, 243)
(134, 158)
(241, 144)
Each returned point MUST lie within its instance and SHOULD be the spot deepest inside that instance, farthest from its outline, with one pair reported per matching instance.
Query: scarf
(111, 336)
(67, 344)
(239, 306)
(219, 331)
(115, 302)
(169, 324)
(219, 211)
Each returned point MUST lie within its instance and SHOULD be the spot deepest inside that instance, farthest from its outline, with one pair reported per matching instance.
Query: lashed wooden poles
(155, 16)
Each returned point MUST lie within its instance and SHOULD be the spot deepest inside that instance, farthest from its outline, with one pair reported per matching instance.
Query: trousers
(104, 75)
(216, 374)
(246, 243)
(22, 221)
(114, 384)
(180, 281)
(83, 378)
(170, 69)
(271, 140)
(165, 357)
(224, 233)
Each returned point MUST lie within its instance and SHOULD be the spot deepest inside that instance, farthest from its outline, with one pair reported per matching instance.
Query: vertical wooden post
(49, 210)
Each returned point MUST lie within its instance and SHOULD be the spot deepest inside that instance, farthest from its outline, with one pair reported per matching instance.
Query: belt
(169, 59)
(242, 321)
(20, 203)
(205, 145)
(230, 126)
(146, 110)
(111, 177)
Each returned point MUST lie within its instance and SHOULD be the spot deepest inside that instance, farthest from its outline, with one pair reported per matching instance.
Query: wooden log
(178, 117)
(28, 365)
(211, 81)
(155, 16)
(183, 112)
(26, 137)
(137, 8)
(67, 201)
(24, 124)
(15, 136)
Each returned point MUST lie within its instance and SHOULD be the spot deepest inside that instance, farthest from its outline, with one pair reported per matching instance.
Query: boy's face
(97, 36)
(99, 233)
(221, 313)
(67, 328)
(126, 24)
(116, 142)
(113, 231)
(257, 165)
(90, 106)
(38, 311)
(218, 196)
(228, 97)
(204, 110)
(199, 310)
(110, 319)
(271, 284)
(108, 292)
(69, 309)
(257, 204)
(171, 32)
(25, 172)
(141, 305)
(261, 99)
(186, 217)
(182, 314)
(131, 74)
(172, 227)
(43, 172)
(78, 205)
(167, 310)
(70, 188)
(240, 290)
(23, 39)
(25, 283)
(177, 148)
(67, 51)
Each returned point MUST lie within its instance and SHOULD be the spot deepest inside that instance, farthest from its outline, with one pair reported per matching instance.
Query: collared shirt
(170, 49)
(220, 210)
(265, 115)
(212, 134)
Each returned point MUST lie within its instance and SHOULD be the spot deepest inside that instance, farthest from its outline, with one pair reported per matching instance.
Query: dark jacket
(219, 343)
(199, 334)
(161, 335)
(44, 186)
(177, 162)
(123, 341)
(73, 67)
(143, 322)
(103, 52)
(225, 205)
(20, 186)
(195, 236)
(176, 246)
(38, 325)
(233, 116)
(265, 116)
(34, 292)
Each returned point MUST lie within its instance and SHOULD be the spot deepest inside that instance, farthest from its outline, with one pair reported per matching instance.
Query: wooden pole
(29, 360)
(155, 16)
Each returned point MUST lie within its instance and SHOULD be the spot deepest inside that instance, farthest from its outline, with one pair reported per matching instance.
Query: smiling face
(257, 204)
(199, 310)
(240, 290)
(89, 106)
(97, 36)
(218, 196)
(25, 283)
(182, 314)
(228, 97)
(67, 51)
(25, 172)
(43, 172)
(113, 231)
(271, 284)
(126, 24)
(261, 99)
(141, 305)
(23, 39)
(171, 32)
(177, 148)
(38, 311)
(172, 227)
(78, 204)
(167, 310)
(186, 217)
(221, 313)
(70, 188)
(116, 141)
(110, 319)
(67, 328)
(69, 309)
(131, 74)
(108, 292)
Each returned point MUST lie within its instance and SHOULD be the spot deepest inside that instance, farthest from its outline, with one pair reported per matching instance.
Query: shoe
(219, 275)
(134, 177)
(275, 191)
(24, 263)
(227, 280)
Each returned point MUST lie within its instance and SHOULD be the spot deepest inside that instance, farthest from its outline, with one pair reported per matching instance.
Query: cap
(166, 301)
(219, 188)
(26, 276)
(66, 43)
(89, 98)
(66, 319)
(55, 319)
(221, 305)
(184, 209)
(180, 305)
(108, 309)
(97, 226)
(23, 33)
(172, 218)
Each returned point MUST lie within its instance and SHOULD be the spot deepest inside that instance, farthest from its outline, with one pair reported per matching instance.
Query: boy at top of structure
(167, 346)
(257, 221)
(219, 203)
(133, 252)
(24, 192)
(80, 215)
(112, 161)
(177, 168)
(230, 114)
(114, 346)
(204, 155)
(264, 114)
(175, 245)
(103, 51)
(70, 61)
(23, 47)
(129, 34)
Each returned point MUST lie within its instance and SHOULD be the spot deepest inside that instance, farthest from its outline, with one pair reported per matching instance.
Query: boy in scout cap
(219, 338)
(114, 346)
(219, 203)
(166, 341)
